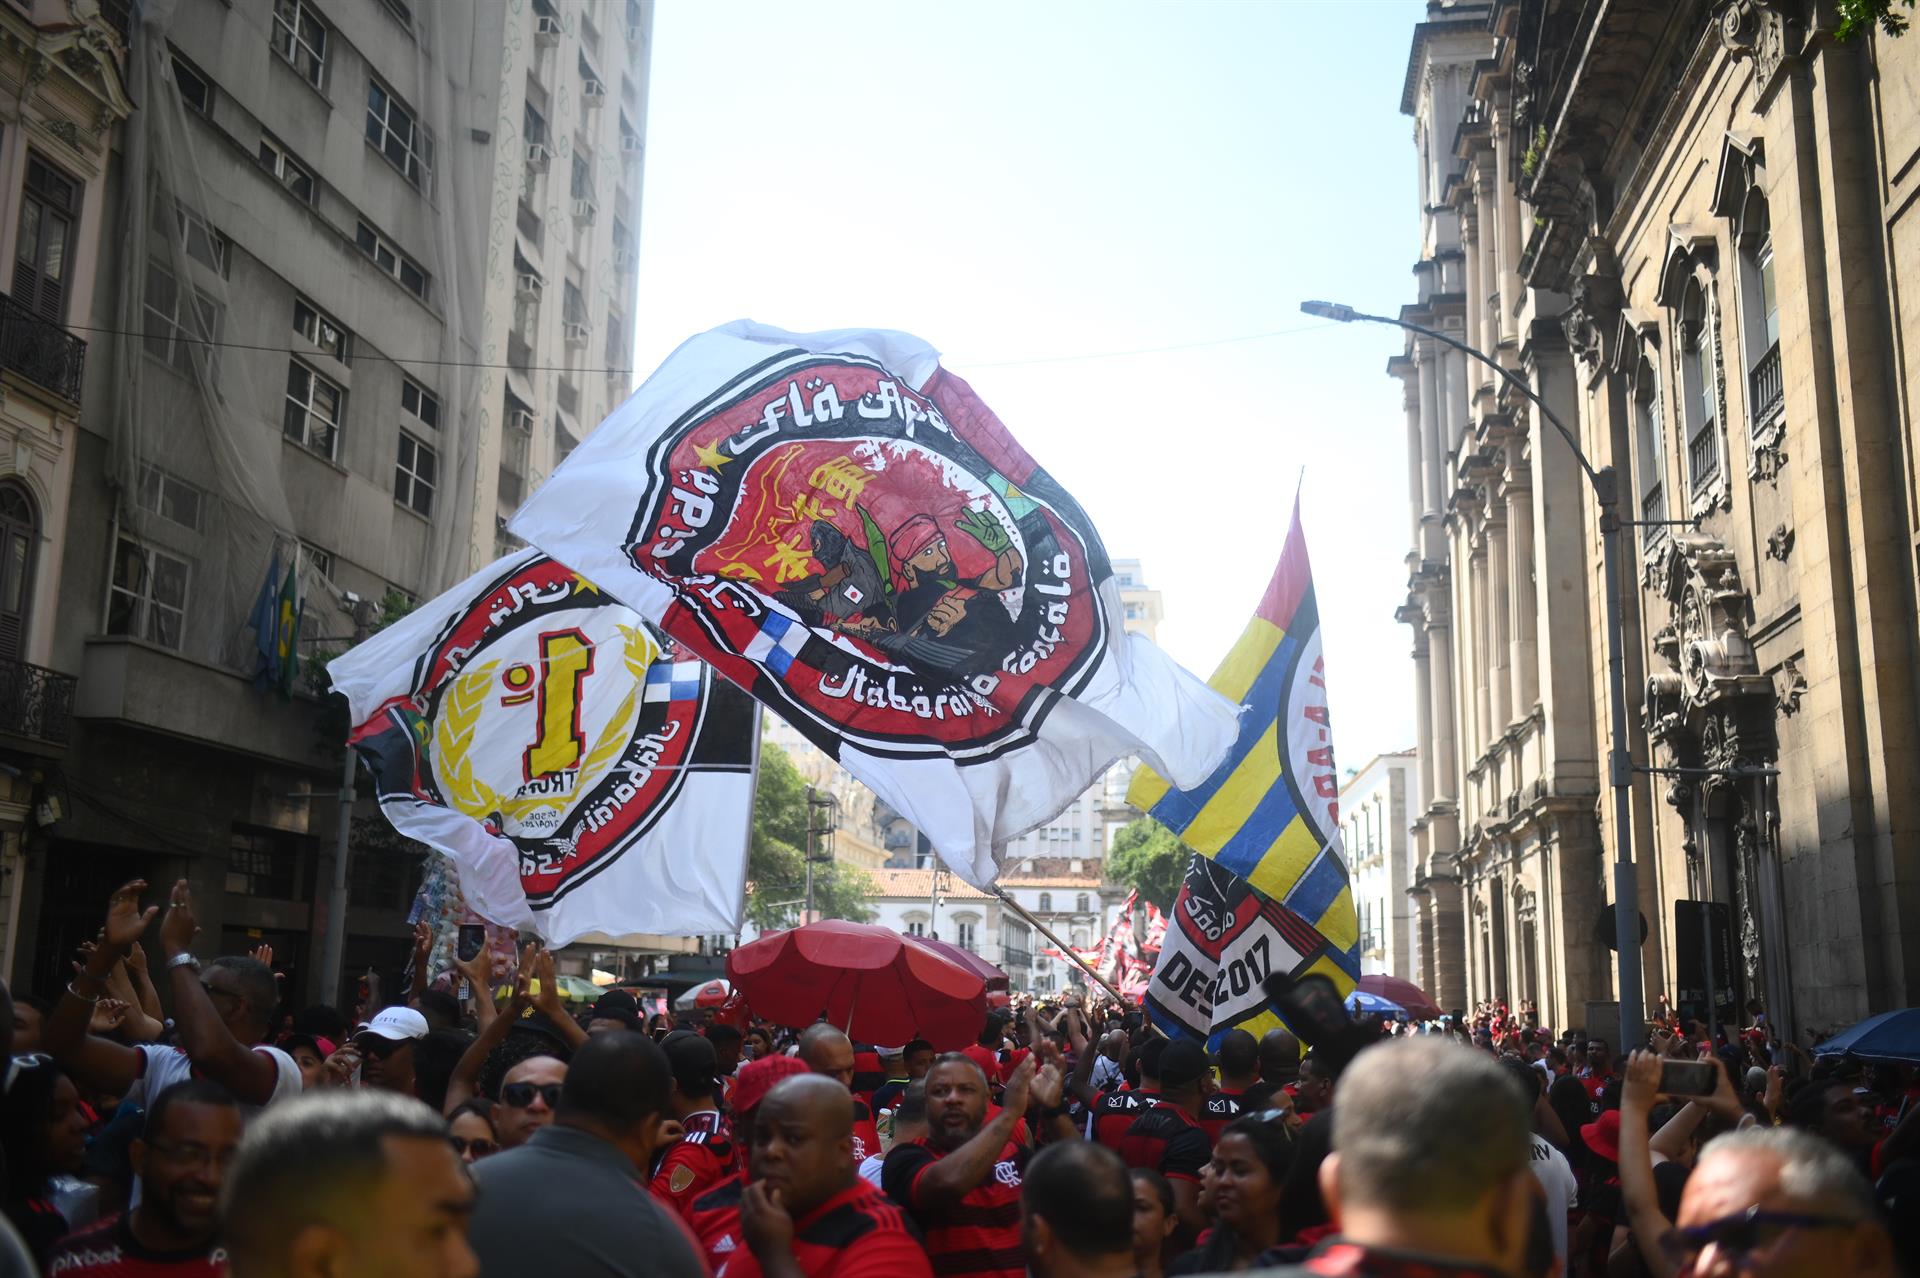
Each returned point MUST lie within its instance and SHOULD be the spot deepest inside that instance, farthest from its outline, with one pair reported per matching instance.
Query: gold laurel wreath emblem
(453, 732)
(465, 704)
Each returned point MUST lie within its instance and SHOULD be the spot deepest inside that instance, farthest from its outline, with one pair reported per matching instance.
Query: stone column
(1449, 983)
(1499, 580)
(1482, 649)
(1486, 206)
(1470, 285)
(1507, 201)
(1433, 452)
(1423, 715)
(1416, 480)
(1446, 780)
(1524, 669)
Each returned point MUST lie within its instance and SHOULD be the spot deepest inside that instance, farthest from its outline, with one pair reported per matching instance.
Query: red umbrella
(1405, 993)
(993, 976)
(870, 981)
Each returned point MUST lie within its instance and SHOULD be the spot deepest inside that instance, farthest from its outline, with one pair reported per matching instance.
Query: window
(321, 561)
(1650, 454)
(393, 131)
(49, 204)
(19, 542)
(264, 863)
(204, 244)
(1760, 315)
(289, 172)
(301, 38)
(534, 125)
(387, 880)
(414, 475)
(148, 597)
(1080, 905)
(916, 928)
(312, 418)
(170, 497)
(196, 92)
(419, 403)
(1698, 384)
(391, 260)
(582, 177)
(573, 307)
(963, 934)
(616, 355)
(171, 335)
(1046, 902)
(321, 329)
(563, 442)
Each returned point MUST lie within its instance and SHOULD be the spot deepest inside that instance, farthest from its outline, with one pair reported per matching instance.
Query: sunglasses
(480, 1148)
(378, 1046)
(1740, 1234)
(520, 1095)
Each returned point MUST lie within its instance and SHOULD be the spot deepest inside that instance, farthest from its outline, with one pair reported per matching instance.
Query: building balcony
(1766, 390)
(1016, 956)
(35, 705)
(40, 351)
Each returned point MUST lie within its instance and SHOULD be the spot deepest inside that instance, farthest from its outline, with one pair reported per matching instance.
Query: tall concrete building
(1691, 228)
(1376, 814)
(377, 261)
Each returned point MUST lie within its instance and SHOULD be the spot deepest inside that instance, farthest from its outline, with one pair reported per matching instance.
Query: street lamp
(1626, 894)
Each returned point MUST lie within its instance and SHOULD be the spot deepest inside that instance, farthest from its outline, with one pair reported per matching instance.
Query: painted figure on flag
(554, 720)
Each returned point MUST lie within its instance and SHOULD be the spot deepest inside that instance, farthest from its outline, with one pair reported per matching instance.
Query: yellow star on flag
(582, 585)
(710, 457)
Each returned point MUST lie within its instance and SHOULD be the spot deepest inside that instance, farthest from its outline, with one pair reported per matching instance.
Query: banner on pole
(584, 773)
(838, 525)
(1223, 941)
(1270, 813)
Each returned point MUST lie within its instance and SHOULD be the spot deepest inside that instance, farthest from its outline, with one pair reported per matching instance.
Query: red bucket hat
(757, 1078)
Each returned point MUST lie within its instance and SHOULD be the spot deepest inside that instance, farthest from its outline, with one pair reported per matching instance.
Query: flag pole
(1061, 945)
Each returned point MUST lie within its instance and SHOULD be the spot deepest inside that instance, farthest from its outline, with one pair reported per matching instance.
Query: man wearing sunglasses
(385, 1045)
(1777, 1203)
(528, 1096)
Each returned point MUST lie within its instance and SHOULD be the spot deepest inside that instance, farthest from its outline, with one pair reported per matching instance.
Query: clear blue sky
(1024, 184)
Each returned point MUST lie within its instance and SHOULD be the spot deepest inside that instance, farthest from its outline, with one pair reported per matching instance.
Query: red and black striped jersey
(858, 1233)
(866, 1134)
(714, 1218)
(1164, 1138)
(1217, 1111)
(975, 1237)
(1113, 1112)
(695, 1163)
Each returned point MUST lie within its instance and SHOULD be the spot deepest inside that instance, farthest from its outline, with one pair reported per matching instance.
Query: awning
(528, 251)
(520, 388)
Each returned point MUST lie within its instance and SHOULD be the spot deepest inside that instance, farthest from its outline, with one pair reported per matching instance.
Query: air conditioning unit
(538, 157)
(623, 259)
(546, 28)
(576, 334)
(520, 421)
(594, 93)
(631, 143)
(584, 211)
(527, 287)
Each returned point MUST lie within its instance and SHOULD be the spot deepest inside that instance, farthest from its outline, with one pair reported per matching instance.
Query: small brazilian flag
(1270, 814)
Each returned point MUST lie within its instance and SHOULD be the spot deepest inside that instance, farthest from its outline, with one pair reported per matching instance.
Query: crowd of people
(463, 1131)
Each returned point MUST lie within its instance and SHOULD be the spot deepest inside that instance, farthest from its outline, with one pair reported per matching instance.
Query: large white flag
(839, 525)
(584, 773)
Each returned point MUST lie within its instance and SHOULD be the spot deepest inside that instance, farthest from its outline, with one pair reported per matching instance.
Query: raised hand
(262, 953)
(137, 960)
(108, 1015)
(126, 921)
(179, 927)
(522, 984)
(339, 1068)
(478, 970)
(1641, 1083)
(547, 1001)
(1050, 1081)
(1020, 1086)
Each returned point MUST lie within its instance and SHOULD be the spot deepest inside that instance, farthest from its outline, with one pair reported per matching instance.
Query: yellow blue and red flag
(1270, 813)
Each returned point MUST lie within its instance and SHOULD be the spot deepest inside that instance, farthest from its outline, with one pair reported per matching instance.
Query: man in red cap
(714, 1216)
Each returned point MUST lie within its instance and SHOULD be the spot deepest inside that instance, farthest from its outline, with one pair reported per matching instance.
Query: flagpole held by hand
(1068, 950)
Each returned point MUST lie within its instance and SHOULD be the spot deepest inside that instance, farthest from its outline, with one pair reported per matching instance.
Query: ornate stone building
(1689, 226)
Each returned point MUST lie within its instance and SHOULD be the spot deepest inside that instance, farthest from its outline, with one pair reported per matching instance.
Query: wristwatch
(183, 960)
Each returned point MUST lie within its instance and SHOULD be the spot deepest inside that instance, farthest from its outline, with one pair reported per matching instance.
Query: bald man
(828, 1052)
(802, 1209)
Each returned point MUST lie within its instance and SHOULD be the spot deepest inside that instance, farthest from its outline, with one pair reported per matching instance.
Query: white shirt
(1555, 1174)
(162, 1067)
(870, 1169)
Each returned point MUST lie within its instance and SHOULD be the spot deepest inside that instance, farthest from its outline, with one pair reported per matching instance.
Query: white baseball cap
(396, 1023)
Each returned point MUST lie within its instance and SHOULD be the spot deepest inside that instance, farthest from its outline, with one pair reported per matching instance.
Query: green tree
(1147, 856)
(1859, 16)
(777, 863)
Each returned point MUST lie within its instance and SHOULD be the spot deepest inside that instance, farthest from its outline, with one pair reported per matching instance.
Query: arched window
(1080, 904)
(1046, 902)
(1760, 314)
(1649, 453)
(1700, 398)
(19, 540)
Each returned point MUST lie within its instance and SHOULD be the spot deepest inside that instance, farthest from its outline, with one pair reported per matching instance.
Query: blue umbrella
(1361, 1001)
(1890, 1036)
